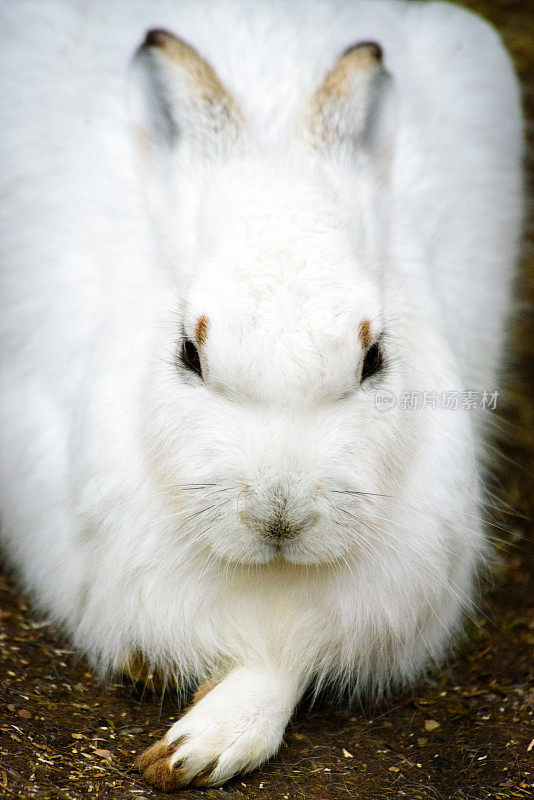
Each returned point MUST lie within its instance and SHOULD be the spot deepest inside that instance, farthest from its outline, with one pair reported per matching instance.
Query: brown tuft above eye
(189, 357)
(372, 362)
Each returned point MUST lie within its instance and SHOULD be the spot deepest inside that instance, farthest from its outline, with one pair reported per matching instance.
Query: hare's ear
(354, 107)
(178, 100)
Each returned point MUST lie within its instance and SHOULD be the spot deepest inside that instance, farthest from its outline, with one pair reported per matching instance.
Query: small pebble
(431, 725)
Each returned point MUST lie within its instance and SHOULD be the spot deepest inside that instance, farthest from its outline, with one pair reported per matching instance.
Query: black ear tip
(156, 37)
(373, 48)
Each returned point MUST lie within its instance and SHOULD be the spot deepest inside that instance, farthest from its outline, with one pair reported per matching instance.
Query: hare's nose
(281, 527)
(278, 513)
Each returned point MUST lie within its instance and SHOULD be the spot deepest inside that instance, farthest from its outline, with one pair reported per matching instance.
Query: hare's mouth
(295, 551)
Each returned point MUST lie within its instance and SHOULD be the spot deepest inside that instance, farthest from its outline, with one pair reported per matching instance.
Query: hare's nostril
(282, 527)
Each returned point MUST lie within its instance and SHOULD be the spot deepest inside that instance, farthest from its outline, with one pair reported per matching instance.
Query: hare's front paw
(233, 728)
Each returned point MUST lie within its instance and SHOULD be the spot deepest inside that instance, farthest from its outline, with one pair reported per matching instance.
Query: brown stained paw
(155, 766)
(204, 777)
(153, 753)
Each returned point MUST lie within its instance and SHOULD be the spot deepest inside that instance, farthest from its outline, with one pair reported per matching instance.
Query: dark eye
(189, 357)
(373, 361)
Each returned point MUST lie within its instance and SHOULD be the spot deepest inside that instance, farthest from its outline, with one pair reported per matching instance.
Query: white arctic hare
(218, 255)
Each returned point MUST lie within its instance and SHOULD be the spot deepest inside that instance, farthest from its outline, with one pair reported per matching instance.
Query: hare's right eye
(373, 362)
(190, 358)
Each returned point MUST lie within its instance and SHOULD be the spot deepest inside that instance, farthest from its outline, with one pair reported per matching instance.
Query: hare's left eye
(190, 358)
(372, 362)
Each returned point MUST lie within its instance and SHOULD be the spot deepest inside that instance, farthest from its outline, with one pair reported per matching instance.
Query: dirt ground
(467, 733)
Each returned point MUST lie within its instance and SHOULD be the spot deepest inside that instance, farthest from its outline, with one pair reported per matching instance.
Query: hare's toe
(160, 769)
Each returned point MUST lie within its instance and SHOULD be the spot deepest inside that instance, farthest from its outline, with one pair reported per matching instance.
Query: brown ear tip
(157, 37)
(371, 49)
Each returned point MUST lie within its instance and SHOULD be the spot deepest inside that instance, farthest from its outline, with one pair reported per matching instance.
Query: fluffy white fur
(128, 485)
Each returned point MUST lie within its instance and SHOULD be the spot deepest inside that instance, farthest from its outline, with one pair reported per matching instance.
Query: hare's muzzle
(279, 513)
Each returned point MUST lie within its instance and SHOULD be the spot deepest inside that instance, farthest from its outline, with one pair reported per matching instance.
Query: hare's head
(262, 423)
